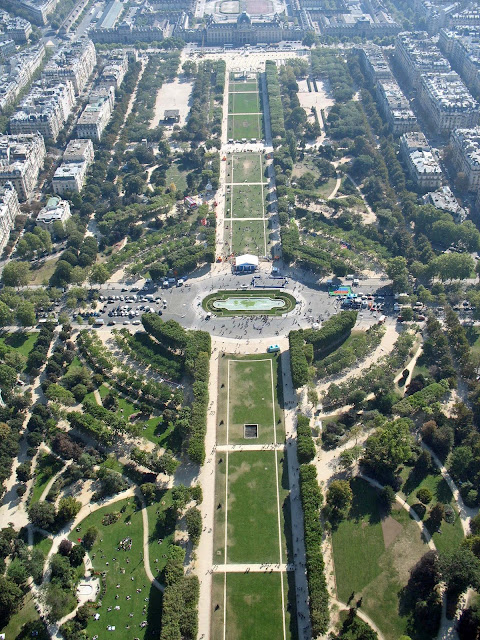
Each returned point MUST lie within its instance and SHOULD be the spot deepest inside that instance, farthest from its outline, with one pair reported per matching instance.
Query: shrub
(424, 495)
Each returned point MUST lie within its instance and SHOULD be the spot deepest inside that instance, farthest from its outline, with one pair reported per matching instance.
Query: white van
(356, 282)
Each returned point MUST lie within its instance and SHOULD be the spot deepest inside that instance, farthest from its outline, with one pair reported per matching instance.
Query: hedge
(298, 359)
(305, 444)
(277, 123)
(312, 501)
(333, 331)
(423, 399)
(180, 599)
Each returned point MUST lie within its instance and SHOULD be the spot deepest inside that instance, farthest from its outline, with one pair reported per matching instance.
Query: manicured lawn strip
(21, 341)
(239, 387)
(104, 550)
(451, 534)
(246, 168)
(243, 103)
(47, 467)
(254, 607)
(26, 614)
(290, 302)
(252, 508)
(247, 237)
(159, 528)
(76, 362)
(245, 126)
(247, 201)
(365, 566)
(236, 86)
(219, 526)
(251, 402)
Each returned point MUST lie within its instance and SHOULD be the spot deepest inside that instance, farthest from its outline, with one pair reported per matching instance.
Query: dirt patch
(391, 529)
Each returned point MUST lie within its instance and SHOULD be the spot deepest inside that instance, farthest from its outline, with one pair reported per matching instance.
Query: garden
(261, 302)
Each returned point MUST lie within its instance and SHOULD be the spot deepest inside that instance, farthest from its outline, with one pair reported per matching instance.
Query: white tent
(247, 260)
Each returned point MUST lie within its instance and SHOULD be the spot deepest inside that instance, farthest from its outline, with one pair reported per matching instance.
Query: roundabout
(246, 303)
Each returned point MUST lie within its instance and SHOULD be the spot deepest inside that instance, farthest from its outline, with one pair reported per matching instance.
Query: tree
(99, 274)
(6, 315)
(68, 509)
(65, 547)
(149, 492)
(42, 514)
(25, 314)
(459, 569)
(77, 554)
(424, 495)
(339, 499)
(17, 572)
(15, 274)
(388, 447)
(193, 519)
(349, 456)
(436, 515)
(398, 272)
(11, 597)
(387, 498)
(89, 537)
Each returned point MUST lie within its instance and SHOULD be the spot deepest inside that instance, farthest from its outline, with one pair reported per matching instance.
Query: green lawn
(41, 542)
(239, 86)
(76, 362)
(373, 556)
(247, 236)
(254, 607)
(451, 534)
(20, 340)
(47, 467)
(245, 126)
(244, 102)
(246, 201)
(129, 575)
(243, 167)
(252, 513)
(248, 389)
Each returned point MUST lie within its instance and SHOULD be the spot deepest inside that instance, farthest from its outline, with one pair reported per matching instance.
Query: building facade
(447, 102)
(56, 210)
(422, 165)
(9, 209)
(21, 158)
(465, 145)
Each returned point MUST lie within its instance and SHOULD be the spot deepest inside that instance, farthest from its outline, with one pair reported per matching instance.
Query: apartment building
(447, 102)
(94, 118)
(79, 150)
(18, 29)
(38, 10)
(45, 109)
(417, 55)
(21, 158)
(465, 145)
(421, 163)
(19, 71)
(444, 200)
(75, 61)
(374, 63)
(70, 175)
(56, 210)
(113, 73)
(462, 46)
(7, 48)
(395, 107)
(9, 209)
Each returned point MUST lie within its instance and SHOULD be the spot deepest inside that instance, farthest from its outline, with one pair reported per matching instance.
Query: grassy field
(243, 167)
(245, 126)
(47, 467)
(373, 555)
(21, 341)
(254, 607)
(213, 300)
(176, 175)
(451, 534)
(248, 237)
(130, 576)
(473, 337)
(239, 86)
(244, 102)
(42, 273)
(248, 389)
(246, 201)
